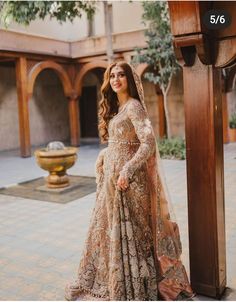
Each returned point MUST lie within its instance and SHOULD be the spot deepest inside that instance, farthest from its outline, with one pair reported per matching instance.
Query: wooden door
(88, 112)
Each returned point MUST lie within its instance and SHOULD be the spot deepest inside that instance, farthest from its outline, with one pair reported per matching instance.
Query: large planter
(56, 162)
(232, 134)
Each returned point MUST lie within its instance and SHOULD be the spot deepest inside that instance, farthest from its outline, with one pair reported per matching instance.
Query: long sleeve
(144, 132)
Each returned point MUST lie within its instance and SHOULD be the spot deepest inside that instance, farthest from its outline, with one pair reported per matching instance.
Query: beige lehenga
(133, 249)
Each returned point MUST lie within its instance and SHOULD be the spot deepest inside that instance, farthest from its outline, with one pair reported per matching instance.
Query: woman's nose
(116, 77)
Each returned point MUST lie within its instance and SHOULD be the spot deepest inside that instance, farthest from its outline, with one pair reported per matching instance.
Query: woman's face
(118, 80)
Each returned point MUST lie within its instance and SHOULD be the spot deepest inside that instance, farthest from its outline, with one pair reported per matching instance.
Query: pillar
(225, 117)
(74, 120)
(162, 119)
(161, 112)
(23, 110)
(205, 178)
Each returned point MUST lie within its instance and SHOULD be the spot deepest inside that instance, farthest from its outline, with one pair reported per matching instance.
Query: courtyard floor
(41, 242)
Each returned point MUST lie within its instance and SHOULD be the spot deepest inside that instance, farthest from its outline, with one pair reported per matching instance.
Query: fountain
(56, 159)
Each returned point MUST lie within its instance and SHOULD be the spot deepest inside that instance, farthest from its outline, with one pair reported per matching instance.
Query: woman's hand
(122, 183)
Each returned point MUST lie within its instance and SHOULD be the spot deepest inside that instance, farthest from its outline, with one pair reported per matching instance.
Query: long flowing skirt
(118, 260)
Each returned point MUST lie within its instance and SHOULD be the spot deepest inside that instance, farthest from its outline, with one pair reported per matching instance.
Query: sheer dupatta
(173, 278)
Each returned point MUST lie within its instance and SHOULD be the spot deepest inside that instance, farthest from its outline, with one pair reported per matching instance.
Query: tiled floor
(41, 242)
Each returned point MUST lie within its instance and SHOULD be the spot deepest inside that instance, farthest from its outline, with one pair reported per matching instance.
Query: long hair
(109, 104)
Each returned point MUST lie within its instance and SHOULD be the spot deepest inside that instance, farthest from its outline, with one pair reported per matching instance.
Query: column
(225, 118)
(205, 178)
(74, 120)
(161, 112)
(23, 110)
(162, 119)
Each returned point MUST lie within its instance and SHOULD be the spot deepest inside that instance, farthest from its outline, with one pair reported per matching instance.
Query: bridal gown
(118, 261)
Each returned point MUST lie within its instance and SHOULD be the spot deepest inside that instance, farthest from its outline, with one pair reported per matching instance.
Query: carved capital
(201, 45)
(72, 96)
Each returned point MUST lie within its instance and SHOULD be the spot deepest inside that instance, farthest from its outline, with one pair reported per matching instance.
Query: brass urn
(56, 159)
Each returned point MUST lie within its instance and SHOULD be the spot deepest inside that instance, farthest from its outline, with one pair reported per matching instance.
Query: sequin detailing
(119, 262)
(123, 142)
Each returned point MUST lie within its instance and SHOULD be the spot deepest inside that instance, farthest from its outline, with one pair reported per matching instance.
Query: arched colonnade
(71, 77)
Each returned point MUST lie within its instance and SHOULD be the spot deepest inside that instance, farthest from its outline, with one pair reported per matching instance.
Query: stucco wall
(151, 103)
(49, 118)
(231, 99)
(176, 106)
(90, 79)
(126, 17)
(9, 138)
(48, 110)
(51, 28)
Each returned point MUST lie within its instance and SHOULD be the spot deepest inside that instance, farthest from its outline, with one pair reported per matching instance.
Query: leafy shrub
(232, 121)
(172, 148)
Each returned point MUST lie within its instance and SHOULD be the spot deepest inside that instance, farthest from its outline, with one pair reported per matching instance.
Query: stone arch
(141, 68)
(62, 74)
(87, 67)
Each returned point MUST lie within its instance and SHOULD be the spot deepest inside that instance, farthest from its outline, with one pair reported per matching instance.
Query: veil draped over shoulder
(165, 230)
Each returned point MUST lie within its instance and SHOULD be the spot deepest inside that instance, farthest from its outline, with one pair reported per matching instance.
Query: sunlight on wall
(127, 16)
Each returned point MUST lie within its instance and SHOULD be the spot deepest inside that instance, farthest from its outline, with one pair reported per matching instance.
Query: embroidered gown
(119, 262)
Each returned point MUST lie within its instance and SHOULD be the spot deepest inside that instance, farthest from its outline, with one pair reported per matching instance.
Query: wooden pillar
(225, 117)
(203, 52)
(162, 119)
(74, 120)
(204, 142)
(21, 84)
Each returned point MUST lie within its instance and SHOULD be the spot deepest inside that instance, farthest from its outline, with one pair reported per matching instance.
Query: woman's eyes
(119, 75)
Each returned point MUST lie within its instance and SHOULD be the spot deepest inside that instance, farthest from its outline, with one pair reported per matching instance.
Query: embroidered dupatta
(167, 244)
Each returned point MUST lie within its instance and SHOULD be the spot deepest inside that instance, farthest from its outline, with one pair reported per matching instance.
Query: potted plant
(232, 128)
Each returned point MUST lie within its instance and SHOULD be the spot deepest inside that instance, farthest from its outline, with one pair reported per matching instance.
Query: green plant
(159, 53)
(172, 148)
(24, 12)
(232, 121)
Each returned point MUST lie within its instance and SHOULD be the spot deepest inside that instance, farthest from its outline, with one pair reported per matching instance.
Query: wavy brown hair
(109, 103)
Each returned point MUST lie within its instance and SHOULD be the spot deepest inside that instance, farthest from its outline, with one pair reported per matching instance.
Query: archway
(48, 110)
(25, 83)
(68, 92)
(39, 67)
(154, 102)
(88, 84)
(86, 68)
(89, 103)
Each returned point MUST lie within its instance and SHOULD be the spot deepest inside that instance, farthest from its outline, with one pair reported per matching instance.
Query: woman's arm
(144, 132)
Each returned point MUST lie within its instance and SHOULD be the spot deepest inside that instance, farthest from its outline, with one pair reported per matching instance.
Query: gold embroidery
(118, 262)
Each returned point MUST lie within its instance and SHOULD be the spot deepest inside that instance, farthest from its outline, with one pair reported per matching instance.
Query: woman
(133, 248)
